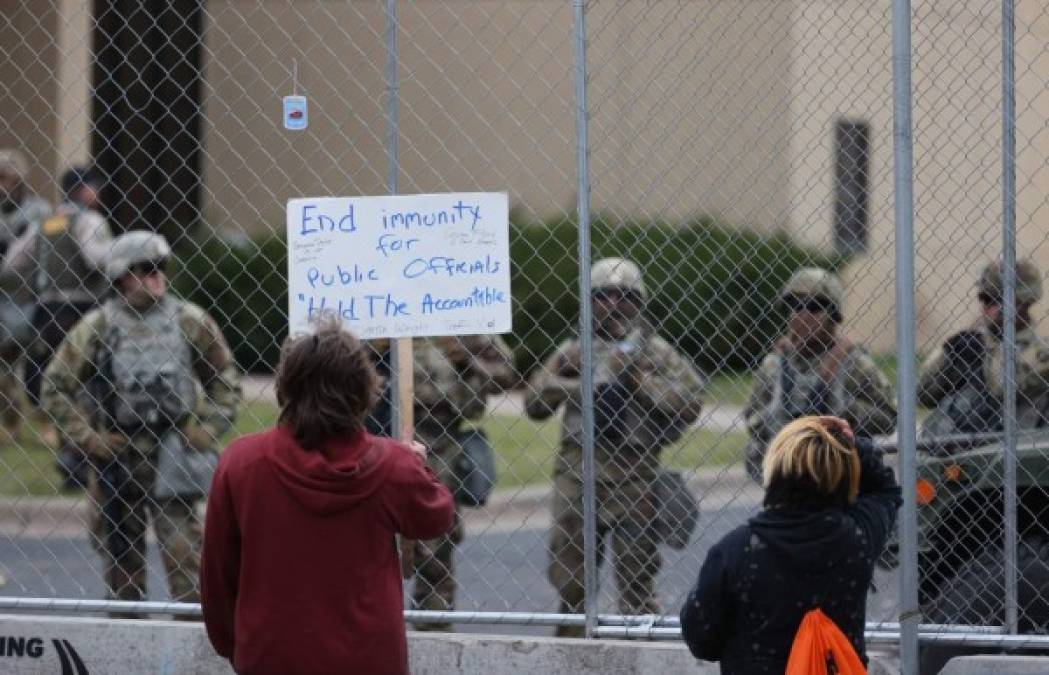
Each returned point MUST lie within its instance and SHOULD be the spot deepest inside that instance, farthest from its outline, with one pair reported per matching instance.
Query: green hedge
(712, 287)
(245, 288)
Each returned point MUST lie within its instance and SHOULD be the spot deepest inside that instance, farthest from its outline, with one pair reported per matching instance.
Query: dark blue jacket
(759, 581)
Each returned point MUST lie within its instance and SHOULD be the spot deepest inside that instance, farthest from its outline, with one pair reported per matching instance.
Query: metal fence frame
(908, 633)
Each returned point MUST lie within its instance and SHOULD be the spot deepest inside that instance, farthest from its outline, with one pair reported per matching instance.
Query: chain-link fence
(722, 147)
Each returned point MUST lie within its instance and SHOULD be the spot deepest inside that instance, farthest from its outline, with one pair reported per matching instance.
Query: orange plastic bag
(820, 648)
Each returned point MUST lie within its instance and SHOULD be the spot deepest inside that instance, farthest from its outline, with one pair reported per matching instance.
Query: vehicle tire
(975, 596)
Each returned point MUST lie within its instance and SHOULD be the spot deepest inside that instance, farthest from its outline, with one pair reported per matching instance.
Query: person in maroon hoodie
(299, 571)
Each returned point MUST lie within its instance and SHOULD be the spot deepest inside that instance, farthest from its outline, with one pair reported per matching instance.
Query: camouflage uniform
(62, 260)
(842, 381)
(16, 298)
(452, 377)
(142, 492)
(964, 377)
(664, 398)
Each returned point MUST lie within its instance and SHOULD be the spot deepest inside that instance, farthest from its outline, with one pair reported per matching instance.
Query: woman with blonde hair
(829, 508)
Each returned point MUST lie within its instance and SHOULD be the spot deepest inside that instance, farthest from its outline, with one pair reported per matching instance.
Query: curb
(43, 513)
(21, 514)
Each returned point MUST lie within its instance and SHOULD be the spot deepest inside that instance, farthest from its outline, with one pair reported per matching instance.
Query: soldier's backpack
(820, 648)
(60, 262)
(677, 509)
(474, 467)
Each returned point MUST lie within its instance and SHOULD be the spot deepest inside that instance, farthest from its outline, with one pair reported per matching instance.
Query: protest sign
(401, 265)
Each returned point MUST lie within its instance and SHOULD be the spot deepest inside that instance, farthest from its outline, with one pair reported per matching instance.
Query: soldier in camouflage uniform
(19, 207)
(963, 379)
(453, 377)
(20, 212)
(646, 395)
(815, 371)
(146, 385)
(63, 261)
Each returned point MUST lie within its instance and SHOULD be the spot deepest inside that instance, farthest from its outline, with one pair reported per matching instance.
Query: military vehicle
(961, 564)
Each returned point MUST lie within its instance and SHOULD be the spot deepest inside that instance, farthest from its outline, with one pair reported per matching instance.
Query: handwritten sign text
(401, 266)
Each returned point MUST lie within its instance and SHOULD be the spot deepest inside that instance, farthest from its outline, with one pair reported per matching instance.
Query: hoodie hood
(333, 478)
(806, 540)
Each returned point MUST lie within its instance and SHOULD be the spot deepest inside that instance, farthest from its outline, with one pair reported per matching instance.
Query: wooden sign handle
(405, 431)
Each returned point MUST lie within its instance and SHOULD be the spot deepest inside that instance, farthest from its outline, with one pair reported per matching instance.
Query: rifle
(113, 474)
(113, 479)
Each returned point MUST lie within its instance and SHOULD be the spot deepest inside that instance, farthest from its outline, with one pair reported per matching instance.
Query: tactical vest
(61, 267)
(797, 394)
(150, 369)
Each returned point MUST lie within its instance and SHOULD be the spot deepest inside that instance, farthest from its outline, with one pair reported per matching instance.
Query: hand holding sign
(401, 266)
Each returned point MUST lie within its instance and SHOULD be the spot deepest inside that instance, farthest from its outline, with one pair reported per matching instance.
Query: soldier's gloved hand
(629, 366)
(965, 348)
(105, 445)
(198, 438)
(619, 363)
(569, 363)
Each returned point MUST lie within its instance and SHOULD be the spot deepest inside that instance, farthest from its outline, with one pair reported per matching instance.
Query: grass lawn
(525, 451)
(729, 388)
(29, 467)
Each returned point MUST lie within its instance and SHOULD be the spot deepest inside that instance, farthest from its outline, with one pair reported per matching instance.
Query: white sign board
(401, 266)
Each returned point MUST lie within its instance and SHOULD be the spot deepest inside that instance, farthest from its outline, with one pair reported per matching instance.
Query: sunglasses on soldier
(988, 300)
(614, 293)
(813, 304)
(149, 268)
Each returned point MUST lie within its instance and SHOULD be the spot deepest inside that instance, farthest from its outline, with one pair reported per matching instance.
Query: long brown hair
(326, 385)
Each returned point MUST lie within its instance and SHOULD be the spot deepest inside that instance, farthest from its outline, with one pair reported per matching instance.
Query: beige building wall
(688, 109)
(485, 104)
(713, 107)
(46, 85)
(840, 68)
(28, 93)
(957, 147)
(692, 122)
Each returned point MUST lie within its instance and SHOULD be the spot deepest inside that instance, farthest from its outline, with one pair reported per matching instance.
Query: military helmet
(1028, 282)
(815, 282)
(14, 163)
(134, 248)
(617, 273)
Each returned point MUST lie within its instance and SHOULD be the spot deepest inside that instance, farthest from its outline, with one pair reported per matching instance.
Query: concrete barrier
(45, 645)
(997, 665)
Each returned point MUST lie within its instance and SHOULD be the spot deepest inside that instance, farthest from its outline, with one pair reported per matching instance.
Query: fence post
(1009, 299)
(590, 570)
(903, 176)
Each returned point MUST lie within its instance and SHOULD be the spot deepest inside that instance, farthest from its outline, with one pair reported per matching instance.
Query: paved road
(504, 570)
(501, 563)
